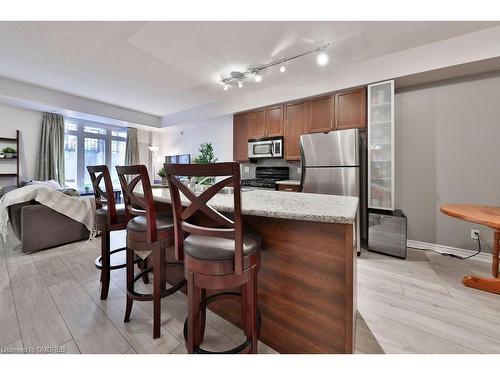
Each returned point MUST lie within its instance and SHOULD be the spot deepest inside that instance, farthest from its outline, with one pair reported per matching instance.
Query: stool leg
(203, 315)
(252, 309)
(105, 262)
(193, 313)
(130, 283)
(245, 313)
(158, 287)
(143, 264)
(496, 251)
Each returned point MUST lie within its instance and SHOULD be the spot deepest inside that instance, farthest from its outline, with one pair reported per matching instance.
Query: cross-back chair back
(98, 175)
(224, 227)
(136, 205)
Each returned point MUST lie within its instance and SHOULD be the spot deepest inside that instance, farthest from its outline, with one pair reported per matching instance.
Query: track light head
(225, 87)
(322, 58)
(257, 77)
(240, 83)
(283, 68)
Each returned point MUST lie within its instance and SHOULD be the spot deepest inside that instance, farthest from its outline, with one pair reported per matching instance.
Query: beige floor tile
(15, 347)
(90, 328)
(9, 328)
(39, 319)
(139, 330)
(53, 270)
(80, 266)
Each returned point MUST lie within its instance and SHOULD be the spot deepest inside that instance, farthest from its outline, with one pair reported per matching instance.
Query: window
(87, 143)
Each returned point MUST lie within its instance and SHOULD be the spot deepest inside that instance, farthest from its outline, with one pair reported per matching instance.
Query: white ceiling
(162, 68)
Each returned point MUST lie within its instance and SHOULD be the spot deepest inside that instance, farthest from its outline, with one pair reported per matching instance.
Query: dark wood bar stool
(109, 217)
(147, 230)
(217, 253)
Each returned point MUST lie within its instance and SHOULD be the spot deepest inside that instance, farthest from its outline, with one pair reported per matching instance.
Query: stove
(266, 177)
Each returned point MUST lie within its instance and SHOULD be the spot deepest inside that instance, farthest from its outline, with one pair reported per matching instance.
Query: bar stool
(217, 254)
(147, 231)
(109, 217)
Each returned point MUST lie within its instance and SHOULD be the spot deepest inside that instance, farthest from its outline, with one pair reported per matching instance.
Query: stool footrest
(98, 260)
(243, 347)
(149, 297)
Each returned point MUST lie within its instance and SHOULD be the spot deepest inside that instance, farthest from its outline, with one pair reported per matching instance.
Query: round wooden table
(484, 215)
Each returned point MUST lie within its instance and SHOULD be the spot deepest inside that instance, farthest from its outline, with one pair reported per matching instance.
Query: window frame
(80, 151)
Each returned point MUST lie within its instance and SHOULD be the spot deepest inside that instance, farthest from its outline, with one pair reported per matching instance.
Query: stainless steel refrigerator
(334, 163)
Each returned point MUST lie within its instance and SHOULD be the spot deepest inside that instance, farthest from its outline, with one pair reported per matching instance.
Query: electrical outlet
(474, 234)
(299, 170)
(247, 169)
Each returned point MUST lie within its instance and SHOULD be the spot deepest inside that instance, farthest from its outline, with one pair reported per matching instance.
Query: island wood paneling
(305, 288)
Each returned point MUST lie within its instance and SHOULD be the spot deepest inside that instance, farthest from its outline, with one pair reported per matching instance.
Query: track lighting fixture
(255, 71)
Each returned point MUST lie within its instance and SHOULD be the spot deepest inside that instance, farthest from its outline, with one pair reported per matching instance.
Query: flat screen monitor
(178, 159)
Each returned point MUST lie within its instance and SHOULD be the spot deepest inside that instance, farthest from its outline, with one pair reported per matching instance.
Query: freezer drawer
(387, 232)
(336, 181)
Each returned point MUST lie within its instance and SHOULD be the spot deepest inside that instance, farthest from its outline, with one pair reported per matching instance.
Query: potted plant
(206, 156)
(163, 174)
(86, 188)
(9, 152)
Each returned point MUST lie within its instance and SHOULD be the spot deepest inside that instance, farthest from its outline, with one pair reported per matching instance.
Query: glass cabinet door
(381, 145)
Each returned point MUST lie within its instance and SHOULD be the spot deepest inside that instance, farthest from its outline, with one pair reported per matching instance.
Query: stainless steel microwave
(265, 148)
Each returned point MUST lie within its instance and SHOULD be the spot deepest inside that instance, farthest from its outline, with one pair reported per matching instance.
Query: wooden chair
(109, 217)
(147, 230)
(217, 254)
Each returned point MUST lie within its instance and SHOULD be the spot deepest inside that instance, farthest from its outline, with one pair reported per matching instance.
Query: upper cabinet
(295, 126)
(257, 127)
(341, 110)
(350, 108)
(321, 112)
(274, 121)
(241, 122)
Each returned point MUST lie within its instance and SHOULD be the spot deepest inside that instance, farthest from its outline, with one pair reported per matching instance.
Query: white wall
(29, 123)
(186, 139)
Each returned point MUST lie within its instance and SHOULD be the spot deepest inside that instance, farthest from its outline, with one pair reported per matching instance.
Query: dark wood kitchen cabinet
(350, 109)
(295, 126)
(257, 127)
(321, 113)
(241, 123)
(274, 121)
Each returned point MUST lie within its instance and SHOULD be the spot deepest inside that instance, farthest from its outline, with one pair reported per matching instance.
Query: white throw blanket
(76, 208)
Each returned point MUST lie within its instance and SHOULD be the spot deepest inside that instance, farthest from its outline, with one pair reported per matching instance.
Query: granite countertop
(288, 182)
(283, 205)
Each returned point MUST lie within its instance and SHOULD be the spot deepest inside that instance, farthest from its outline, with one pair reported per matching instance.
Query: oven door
(260, 149)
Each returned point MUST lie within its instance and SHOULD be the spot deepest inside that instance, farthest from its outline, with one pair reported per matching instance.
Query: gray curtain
(132, 147)
(50, 156)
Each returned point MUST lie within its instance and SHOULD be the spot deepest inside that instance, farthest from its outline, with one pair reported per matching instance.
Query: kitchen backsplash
(248, 169)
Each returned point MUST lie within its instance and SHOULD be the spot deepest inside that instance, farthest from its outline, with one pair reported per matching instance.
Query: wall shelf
(16, 141)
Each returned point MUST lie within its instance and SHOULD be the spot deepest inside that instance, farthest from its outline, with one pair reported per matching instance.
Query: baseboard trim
(420, 245)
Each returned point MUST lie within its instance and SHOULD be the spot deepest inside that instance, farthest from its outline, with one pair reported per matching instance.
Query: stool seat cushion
(214, 248)
(101, 214)
(164, 222)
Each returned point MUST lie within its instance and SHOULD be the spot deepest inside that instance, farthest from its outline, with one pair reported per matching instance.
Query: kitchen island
(307, 282)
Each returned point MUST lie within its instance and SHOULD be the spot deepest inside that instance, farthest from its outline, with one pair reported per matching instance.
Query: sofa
(38, 227)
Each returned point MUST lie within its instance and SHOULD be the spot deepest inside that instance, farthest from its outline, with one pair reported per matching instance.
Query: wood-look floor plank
(90, 328)
(53, 270)
(39, 319)
(139, 330)
(81, 267)
(9, 327)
